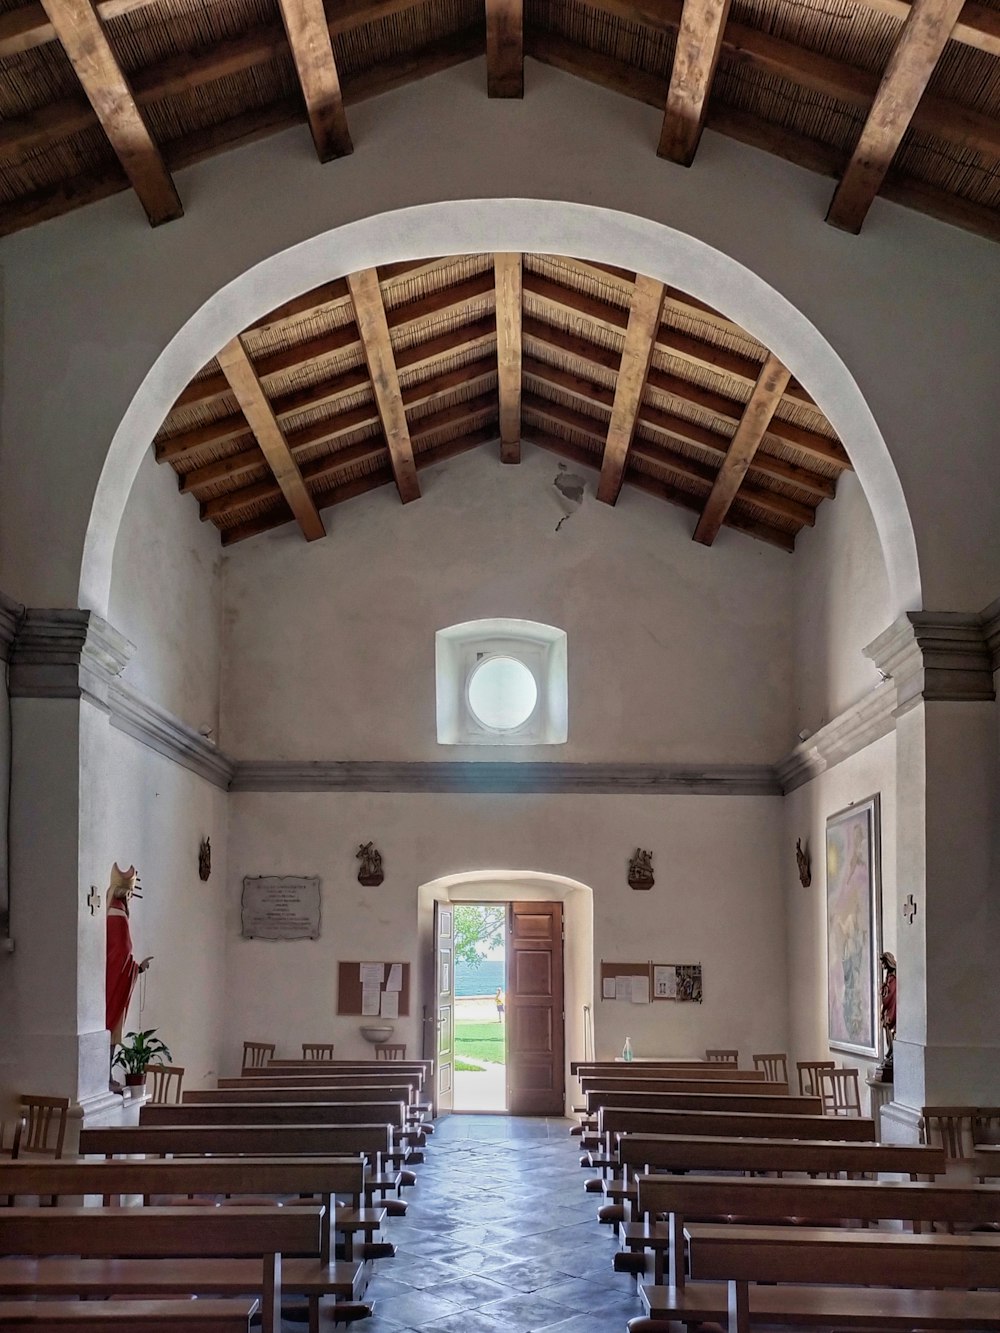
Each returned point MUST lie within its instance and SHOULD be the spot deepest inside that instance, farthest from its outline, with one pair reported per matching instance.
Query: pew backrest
(372, 1140)
(225, 1096)
(276, 1113)
(706, 1153)
(702, 1101)
(735, 1124)
(719, 1086)
(700, 1069)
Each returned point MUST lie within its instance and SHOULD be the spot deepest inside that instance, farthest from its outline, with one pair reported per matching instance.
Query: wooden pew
(169, 1316)
(987, 1163)
(325, 1177)
(394, 1077)
(702, 1101)
(425, 1068)
(868, 1279)
(634, 1083)
(169, 1252)
(642, 1154)
(614, 1120)
(376, 1143)
(277, 1113)
(699, 1069)
(709, 1198)
(389, 1092)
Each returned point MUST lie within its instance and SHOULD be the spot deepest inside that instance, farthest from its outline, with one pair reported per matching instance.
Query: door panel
(444, 1008)
(535, 1019)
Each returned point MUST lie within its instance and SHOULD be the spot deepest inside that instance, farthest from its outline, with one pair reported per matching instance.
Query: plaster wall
(842, 603)
(92, 299)
(805, 814)
(166, 597)
(141, 809)
(329, 646)
(718, 899)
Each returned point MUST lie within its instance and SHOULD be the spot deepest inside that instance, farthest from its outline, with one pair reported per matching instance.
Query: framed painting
(853, 927)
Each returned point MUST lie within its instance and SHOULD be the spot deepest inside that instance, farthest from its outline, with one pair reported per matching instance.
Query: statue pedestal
(879, 1094)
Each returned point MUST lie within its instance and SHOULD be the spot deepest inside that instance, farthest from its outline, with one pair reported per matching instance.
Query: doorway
(548, 991)
(480, 1007)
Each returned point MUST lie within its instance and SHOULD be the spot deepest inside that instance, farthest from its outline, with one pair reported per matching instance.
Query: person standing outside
(500, 1003)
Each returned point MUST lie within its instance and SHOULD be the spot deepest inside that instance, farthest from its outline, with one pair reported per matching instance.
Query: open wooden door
(444, 1008)
(535, 1019)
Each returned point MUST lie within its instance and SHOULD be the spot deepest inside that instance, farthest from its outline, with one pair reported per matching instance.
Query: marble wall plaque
(280, 907)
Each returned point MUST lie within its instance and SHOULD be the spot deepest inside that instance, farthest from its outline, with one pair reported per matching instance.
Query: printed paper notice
(640, 990)
(395, 981)
(370, 1001)
(623, 988)
(372, 974)
(608, 988)
(665, 983)
(390, 1004)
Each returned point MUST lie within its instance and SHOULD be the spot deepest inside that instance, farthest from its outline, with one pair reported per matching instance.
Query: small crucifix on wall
(93, 899)
(910, 909)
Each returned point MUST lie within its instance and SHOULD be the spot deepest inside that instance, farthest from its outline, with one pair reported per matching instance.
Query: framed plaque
(280, 907)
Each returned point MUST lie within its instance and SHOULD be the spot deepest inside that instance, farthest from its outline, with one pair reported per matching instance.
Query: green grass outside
(463, 1067)
(480, 1041)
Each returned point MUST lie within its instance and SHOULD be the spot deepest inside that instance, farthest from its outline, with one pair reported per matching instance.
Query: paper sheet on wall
(665, 983)
(608, 988)
(372, 974)
(390, 1004)
(370, 1001)
(640, 990)
(395, 979)
(623, 988)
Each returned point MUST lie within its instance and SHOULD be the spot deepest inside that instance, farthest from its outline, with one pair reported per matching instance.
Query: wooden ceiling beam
(913, 60)
(661, 489)
(370, 317)
(505, 48)
(238, 369)
(640, 336)
(687, 432)
(507, 274)
(103, 80)
(744, 445)
(312, 51)
(696, 54)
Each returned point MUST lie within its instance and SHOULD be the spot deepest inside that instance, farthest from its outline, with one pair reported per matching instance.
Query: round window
(502, 693)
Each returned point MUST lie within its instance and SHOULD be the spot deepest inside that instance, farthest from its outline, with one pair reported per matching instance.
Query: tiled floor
(500, 1237)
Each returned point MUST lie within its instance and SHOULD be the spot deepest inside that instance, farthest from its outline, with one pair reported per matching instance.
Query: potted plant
(136, 1052)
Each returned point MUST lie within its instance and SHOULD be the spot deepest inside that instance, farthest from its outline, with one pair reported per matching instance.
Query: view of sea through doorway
(480, 1007)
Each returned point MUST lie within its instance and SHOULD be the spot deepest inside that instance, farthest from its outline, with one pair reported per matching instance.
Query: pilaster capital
(936, 656)
(66, 654)
(10, 614)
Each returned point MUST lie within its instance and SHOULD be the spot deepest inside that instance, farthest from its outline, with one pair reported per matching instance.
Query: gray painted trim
(10, 614)
(939, 656)
(857, 727)
(167, 735)
(493, 778)
(66, 654)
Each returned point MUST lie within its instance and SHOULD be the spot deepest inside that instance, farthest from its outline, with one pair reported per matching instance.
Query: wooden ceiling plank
(370, 317)
(696, 54)
(445, 301)
(82, 35)
(640, 338)
(592, 308)
(429, 350)
(505, 48)
(312, 51)
(577, 385)
(744, 445)
(507, 274)
(914, 58)
(238, 370)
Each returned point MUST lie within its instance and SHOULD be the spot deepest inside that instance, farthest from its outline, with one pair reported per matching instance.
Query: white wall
(166, 597)
(329, 649)
(92, 299)
(872, 770)
(718, 900)
(141, 809)
(841, 604)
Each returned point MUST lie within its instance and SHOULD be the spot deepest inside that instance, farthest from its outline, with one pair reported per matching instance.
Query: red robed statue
(121, 969)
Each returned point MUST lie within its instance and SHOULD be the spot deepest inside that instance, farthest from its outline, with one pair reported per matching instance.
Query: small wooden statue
(640, 870)
(802, 861)
(371, 873)
(887, 1013)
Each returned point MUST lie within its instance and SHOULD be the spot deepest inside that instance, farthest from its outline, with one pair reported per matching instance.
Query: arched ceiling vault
(369, 379)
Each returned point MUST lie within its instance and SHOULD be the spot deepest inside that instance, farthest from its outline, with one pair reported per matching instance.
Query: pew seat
(171, 1316)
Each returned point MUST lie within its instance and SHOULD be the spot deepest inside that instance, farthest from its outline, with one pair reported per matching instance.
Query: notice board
(351, 987)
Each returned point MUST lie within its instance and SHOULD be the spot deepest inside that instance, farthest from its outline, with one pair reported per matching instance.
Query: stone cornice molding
(493, 778)
(854, 729)
(10, 615)
(937, 656)
(167, 735)
(66, 654)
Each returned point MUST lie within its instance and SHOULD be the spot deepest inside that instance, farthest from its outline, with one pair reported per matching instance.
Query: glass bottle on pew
(627, 1051)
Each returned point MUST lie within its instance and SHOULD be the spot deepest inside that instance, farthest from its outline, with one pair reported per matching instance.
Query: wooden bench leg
(739, 1308)
(270, 1303)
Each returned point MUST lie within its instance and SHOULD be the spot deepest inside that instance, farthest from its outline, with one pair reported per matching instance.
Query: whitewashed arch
(541, 225)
